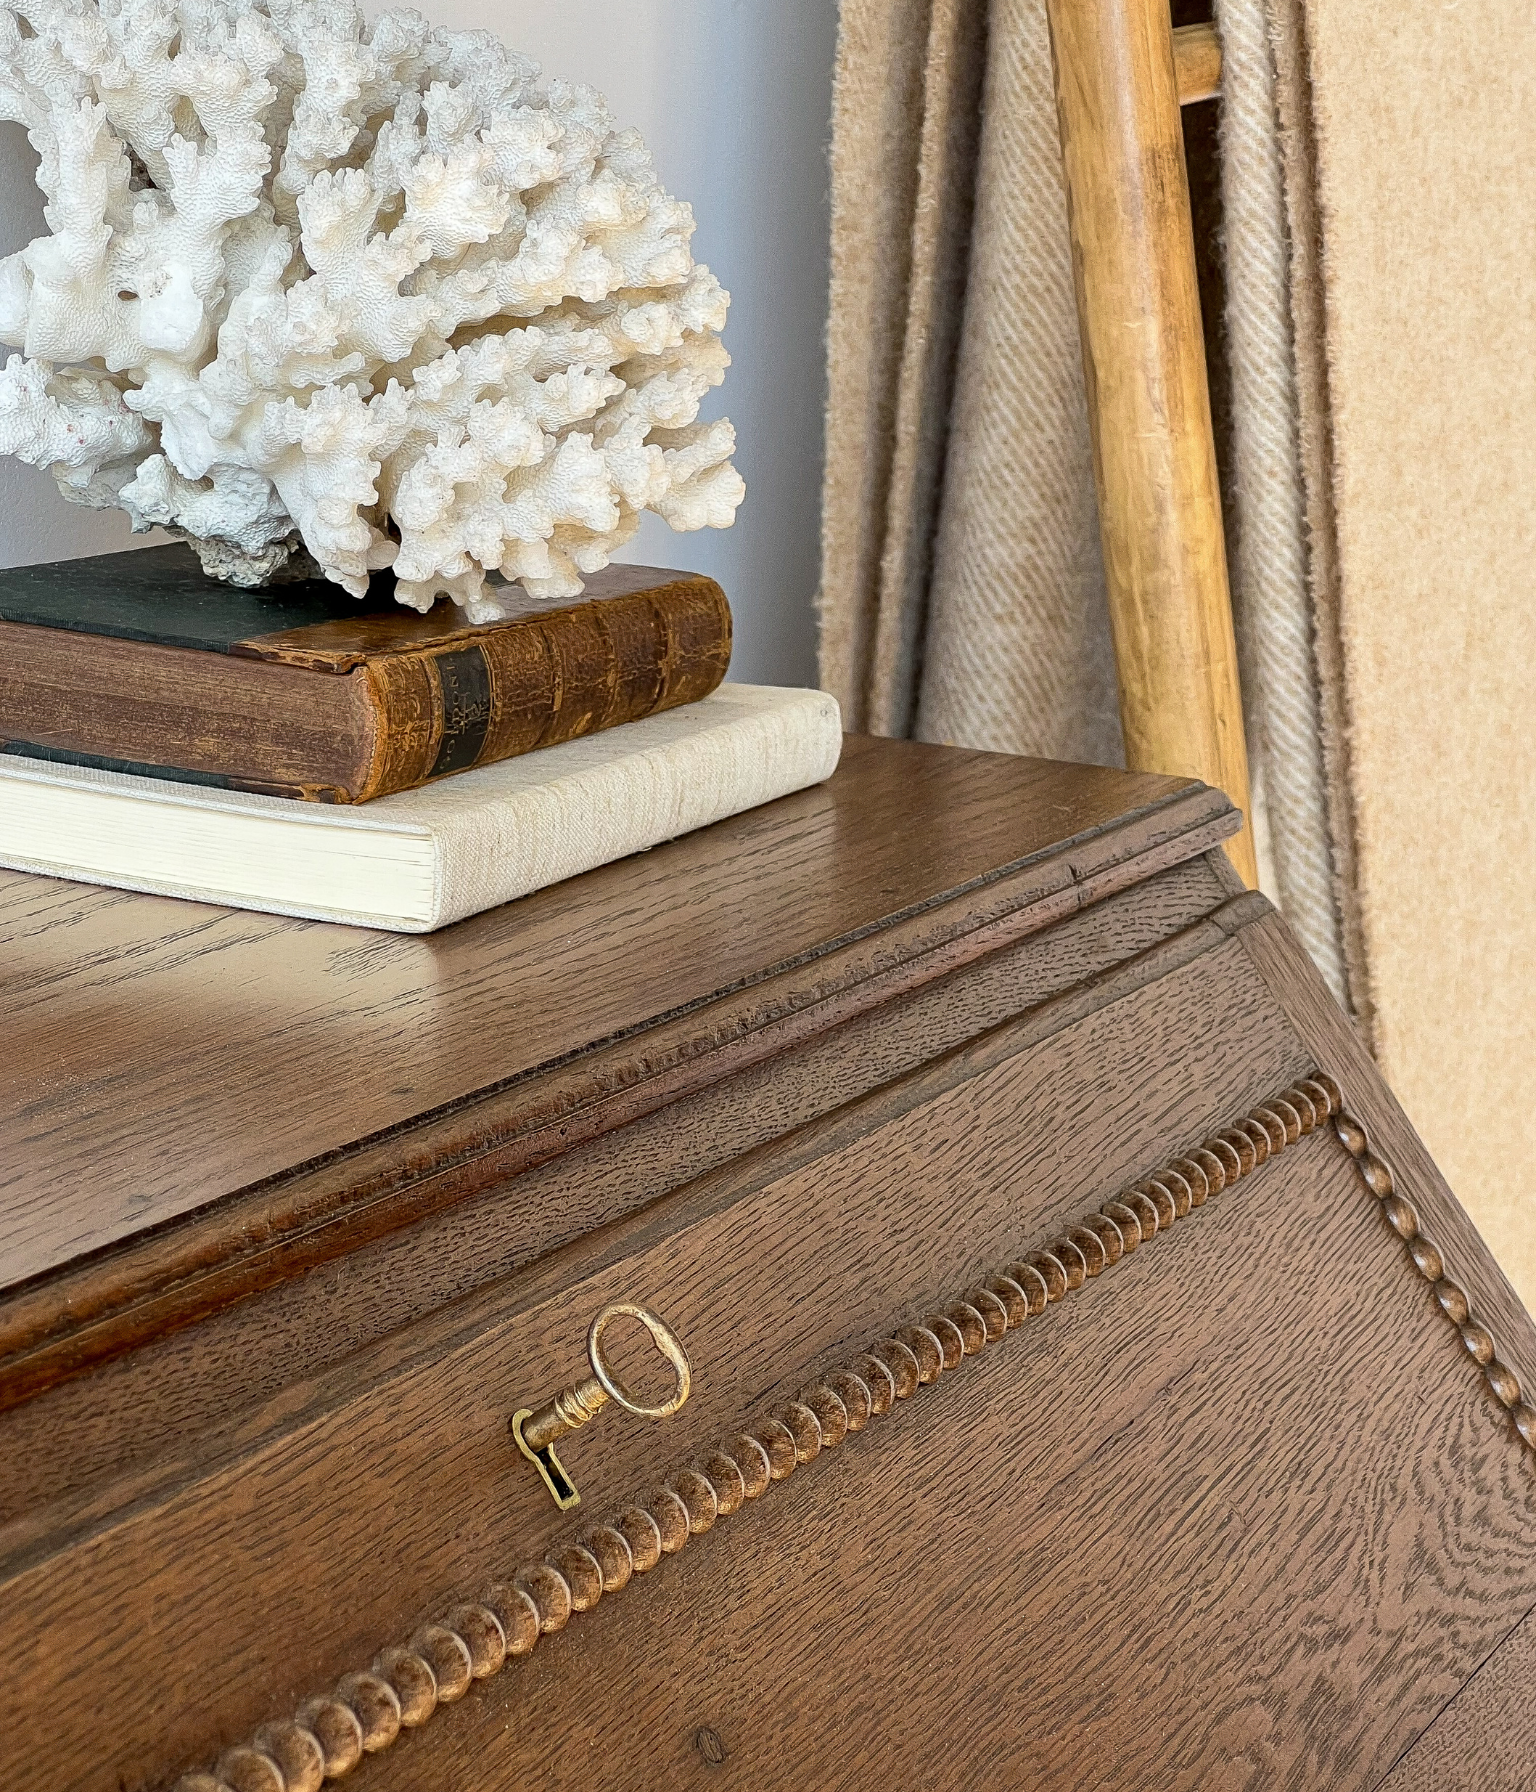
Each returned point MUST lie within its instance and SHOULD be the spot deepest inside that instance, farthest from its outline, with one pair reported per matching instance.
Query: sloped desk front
(1093, 1380)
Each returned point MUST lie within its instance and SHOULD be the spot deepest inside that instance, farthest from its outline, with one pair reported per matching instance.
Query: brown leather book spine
(305, 716)
(545, 680)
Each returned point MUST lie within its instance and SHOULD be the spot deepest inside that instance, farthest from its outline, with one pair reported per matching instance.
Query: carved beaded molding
(328, 1736)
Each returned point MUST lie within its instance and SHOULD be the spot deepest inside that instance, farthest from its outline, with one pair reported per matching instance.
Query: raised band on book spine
(550, 680)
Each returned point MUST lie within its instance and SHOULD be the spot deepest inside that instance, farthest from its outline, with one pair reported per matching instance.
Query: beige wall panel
(1425, 118)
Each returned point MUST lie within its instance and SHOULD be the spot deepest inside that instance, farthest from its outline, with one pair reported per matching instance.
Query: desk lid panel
(1241, 1506)
(1242, 1517)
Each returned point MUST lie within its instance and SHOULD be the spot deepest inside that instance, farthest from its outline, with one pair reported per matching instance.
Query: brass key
(537, 1428)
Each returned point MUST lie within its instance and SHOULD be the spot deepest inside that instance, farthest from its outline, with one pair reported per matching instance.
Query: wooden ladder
(1122, 74)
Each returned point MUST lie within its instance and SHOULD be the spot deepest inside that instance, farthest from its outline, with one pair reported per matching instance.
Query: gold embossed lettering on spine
(330, 1734)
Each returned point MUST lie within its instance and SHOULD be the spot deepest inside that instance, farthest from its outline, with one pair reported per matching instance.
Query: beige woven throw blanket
(962, 595)
(1379, 183)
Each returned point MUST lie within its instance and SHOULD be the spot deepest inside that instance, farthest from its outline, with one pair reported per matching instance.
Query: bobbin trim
(1426, 1258)
(330, 1735)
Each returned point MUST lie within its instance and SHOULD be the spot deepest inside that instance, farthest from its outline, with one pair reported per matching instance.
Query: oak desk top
(162, 1054)
(171, 1067)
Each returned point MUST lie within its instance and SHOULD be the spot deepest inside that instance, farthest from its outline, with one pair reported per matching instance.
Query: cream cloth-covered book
(419, 860)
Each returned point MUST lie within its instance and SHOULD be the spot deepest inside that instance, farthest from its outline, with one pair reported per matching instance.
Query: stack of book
(295, 751)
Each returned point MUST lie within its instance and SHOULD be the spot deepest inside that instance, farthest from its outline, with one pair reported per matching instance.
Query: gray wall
(734, 98)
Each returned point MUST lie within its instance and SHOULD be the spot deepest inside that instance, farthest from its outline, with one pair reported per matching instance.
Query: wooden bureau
(1093, 1382)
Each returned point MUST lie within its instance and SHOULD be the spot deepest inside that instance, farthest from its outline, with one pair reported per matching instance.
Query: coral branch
(366, 290)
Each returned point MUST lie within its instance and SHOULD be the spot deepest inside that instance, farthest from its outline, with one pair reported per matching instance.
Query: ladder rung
(1197, 63)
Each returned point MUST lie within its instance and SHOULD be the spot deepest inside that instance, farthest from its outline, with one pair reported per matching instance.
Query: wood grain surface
(1137, 1548)
(1481, 1741)
(168, 1056)
(1196, 63)
(351, 1503)
(1242, 1514)
(1280, 959)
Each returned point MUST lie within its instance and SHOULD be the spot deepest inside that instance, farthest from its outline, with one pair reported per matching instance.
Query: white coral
(366, 290)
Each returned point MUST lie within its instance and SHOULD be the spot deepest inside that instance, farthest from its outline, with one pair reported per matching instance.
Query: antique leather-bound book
(1090, 1380)
(138, 662)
